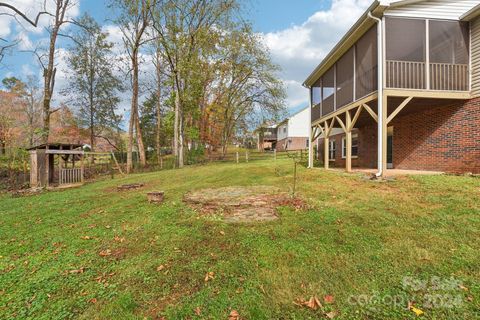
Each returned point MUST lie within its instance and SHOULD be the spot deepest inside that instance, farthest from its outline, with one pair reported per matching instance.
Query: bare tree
(157, 61)
(15, 13)
(49, 69)
(134, 20)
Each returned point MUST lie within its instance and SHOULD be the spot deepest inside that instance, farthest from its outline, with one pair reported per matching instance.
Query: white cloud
(300, 48)
(25, 43)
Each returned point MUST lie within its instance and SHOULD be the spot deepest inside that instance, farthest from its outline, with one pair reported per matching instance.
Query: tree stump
(155, 196)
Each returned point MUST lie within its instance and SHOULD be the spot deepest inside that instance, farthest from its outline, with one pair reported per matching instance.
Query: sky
(298, 34)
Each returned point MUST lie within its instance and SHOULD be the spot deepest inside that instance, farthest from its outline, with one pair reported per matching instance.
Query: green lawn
(366, 244)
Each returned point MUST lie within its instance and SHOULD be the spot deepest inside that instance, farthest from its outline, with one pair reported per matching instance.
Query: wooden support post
(326, 156)
(47, 169)
(275, 154)
(246, 156)
(237, 157)
(82, 168)
(384, 137)
(348, 134)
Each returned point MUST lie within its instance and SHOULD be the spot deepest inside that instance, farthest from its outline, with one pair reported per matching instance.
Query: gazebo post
(82, 169)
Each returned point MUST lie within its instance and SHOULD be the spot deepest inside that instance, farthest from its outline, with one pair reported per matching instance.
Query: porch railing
(405, 74)
(71, 176)
(449, 77)
(412, 75)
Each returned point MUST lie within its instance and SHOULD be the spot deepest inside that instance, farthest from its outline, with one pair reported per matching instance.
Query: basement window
(332, 150)
(354, 146)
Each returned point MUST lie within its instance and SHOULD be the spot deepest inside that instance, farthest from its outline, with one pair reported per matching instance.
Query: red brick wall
(440, 139)
(443, 138)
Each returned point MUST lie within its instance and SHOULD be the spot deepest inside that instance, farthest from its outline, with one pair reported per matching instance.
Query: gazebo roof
(56, 146)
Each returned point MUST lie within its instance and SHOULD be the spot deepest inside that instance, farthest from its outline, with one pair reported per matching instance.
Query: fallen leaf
(119, 239)
(93, 300)
(222, 233)
(160, 267)
(105, 253)
(469, 298)
(331, 314)
(86, 238)
(328, 299)
(234, 315)
(197, 311)
(108, 227)
(77, 271)
(313, 303)
(209, 276)
(417, 311)
(463, 287)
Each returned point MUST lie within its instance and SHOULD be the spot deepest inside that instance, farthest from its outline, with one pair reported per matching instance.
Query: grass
(361, 242)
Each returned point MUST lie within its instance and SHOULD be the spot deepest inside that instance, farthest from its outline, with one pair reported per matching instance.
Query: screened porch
(420, 54)
(427, 54)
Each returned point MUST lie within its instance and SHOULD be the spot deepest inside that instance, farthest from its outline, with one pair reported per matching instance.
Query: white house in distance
(292, 134)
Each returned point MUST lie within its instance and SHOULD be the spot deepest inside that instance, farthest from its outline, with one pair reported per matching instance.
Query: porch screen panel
(317, 92)
(449, 47)
(345, 79)
(366, 64)
(328, 92)
(406, 53)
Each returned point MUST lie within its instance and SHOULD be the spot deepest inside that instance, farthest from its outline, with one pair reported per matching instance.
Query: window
(332, 149)
(284, 129)
(354, 146)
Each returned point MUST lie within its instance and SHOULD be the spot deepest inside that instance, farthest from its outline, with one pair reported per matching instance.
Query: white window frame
(331, 144)
(344, 146)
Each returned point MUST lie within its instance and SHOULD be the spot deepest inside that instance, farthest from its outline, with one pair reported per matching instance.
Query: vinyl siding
(434, 9)
(475, 34)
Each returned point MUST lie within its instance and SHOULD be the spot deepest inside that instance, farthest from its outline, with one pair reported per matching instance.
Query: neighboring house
(292, 134)
(266, 137)
(403, 85)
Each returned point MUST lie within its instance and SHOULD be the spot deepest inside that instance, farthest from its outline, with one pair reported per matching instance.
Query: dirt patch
(242, 204)
(131, 186)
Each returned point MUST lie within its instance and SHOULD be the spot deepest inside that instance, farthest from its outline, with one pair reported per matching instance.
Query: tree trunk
(136, 120)
(159, 127)
(180, 140)
(176, 120)
(130, 143)
(49, 83)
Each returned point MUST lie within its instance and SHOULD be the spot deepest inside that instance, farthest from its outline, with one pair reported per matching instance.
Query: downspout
(310, 141)
(380, 93)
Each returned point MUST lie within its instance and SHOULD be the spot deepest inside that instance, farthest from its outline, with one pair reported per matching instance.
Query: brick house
(401, 90)
(292, 134)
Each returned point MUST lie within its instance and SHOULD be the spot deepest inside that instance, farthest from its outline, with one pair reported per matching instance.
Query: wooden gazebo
(56, 165)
